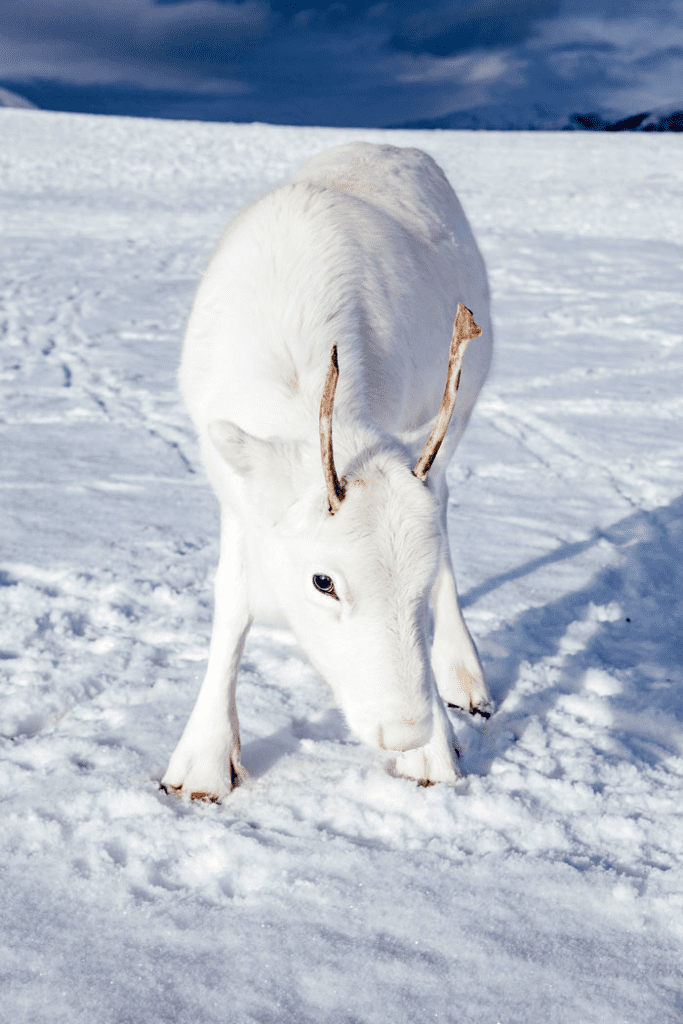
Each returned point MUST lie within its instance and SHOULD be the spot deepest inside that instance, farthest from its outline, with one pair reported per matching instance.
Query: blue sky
(343, 64)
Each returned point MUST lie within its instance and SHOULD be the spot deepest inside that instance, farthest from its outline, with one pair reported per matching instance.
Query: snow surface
(548, 886)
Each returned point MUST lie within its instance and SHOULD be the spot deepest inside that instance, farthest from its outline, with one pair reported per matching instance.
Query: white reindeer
(365, 254)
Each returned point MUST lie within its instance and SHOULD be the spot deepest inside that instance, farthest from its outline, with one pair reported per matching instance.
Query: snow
(548, 886)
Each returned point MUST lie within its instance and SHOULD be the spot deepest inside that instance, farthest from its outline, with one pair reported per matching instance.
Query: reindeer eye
(325, 585)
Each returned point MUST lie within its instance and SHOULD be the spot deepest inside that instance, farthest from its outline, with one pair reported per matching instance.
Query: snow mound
(13, 99)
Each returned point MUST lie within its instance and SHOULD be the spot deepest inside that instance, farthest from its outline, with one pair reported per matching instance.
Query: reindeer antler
(464, 330)
(335, 489)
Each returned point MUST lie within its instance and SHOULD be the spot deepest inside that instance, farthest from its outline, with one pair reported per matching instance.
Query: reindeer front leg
(455, 662)
(459, 680)
(206, 762)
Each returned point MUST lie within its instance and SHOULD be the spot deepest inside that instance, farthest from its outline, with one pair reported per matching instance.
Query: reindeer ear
(270, 469)
(240, 450)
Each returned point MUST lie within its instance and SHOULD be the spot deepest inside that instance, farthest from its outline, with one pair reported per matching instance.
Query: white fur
(366, 247)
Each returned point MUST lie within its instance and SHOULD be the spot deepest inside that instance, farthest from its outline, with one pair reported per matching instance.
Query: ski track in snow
(548, 886)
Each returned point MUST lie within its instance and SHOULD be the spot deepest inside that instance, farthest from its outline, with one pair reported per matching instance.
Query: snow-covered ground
(548, 887)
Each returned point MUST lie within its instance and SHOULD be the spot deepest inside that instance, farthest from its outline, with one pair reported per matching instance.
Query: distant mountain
(536, 117)
(13, 99)
(494, 117)
(661, 120)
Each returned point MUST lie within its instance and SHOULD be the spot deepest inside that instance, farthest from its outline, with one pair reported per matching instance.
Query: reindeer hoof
(208, 775)
(475, 710)
(169, 789)
(205, 797)
(197, 794)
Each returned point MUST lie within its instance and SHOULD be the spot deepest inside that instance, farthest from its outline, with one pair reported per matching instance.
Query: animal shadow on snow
(639, 643)
(259, 756)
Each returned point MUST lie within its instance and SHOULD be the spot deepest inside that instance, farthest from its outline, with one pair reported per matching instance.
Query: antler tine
(464, 330)
(335, 489)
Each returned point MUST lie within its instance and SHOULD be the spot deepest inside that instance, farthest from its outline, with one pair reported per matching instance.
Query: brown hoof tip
(204, 797)
(478, 711)
(169, 789)
(425, 782)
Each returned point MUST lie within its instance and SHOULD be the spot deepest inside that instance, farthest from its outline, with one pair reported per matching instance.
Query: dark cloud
(345, 63)
(123, 26)
(660, 58)
(459, 27)
(182, 46)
